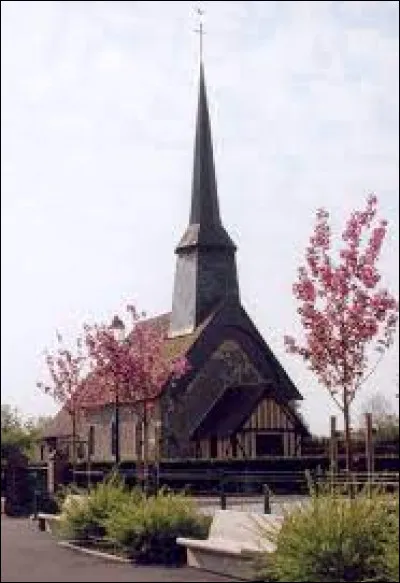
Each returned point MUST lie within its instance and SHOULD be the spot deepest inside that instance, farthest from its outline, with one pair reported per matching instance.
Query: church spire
(206, 268)
(205, 206)
(205, 228)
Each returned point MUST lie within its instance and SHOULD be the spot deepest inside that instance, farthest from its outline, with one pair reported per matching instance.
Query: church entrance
(269, 444)
(213, 447)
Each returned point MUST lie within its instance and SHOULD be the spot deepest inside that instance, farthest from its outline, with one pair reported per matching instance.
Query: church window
(269, 444)
(213, 447)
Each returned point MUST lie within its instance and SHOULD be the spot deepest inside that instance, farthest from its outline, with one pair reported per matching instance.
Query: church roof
(232, 406)
(230, 411)
(60, 425)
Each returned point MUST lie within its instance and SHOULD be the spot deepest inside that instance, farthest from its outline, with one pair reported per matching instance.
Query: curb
(93, 553)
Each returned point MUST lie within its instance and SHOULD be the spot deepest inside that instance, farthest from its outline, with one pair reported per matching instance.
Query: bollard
(35, 504)
(318, 480)
(267, 504)
(222, 494)
(353, 487)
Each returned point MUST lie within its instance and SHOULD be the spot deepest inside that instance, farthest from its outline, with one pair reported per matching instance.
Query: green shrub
(63, 492)
(148, 530)
(336, 539)
(84, 516)
(392, 541)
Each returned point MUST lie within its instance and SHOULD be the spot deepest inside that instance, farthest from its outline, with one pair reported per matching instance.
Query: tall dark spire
(205, 228)
(204, 188)
(206, 268)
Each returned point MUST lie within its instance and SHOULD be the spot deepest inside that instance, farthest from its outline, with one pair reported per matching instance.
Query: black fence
(283, 475)
(313, 446)
(211, 482)
(256, 491)
(232, 479)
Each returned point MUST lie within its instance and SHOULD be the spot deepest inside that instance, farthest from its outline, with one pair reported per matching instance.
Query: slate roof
(233, 408)
(230, 411)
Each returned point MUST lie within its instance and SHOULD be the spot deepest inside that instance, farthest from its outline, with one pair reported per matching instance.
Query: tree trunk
(333, 451)
(74, 446)
(145, 450)
(369, 449)
(116, 436)
(347, 432)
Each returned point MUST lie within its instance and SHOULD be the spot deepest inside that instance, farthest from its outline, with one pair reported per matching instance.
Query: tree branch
(373, 369)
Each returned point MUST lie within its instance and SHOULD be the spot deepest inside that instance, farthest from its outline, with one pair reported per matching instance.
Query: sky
(98, 107)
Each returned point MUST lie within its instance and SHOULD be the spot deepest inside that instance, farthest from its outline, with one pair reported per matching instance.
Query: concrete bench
(46, 521)
(234, 541)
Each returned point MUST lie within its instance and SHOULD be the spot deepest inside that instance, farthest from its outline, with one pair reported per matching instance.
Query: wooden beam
(266, 431)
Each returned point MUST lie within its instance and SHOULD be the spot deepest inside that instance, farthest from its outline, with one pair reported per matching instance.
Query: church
(237, 401)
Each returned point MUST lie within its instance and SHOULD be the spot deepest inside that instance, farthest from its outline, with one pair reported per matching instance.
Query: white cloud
(98, 111)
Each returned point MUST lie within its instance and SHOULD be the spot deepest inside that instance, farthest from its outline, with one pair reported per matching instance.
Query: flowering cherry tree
(67, 368)
(343, 311)
(131, 370)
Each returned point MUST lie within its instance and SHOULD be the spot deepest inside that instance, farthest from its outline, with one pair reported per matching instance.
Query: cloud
(98, 111)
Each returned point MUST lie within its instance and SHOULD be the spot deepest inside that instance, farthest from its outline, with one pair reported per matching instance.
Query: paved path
(28, 555)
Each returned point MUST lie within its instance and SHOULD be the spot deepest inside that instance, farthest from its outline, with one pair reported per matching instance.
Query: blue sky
(98, 110)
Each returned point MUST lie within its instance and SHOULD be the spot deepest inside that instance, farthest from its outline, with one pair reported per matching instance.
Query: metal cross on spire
(200, 30)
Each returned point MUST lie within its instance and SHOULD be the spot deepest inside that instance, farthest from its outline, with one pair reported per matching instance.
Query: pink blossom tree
(67, 368)
(131, 370)
(344, 314)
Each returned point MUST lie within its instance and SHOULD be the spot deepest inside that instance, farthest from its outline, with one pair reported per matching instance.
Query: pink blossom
(340, 308)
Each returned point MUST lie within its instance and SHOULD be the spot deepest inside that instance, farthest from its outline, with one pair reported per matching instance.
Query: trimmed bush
(148, 531)
(336, 539)
(139, 527)
(83, 517)
(66, 492)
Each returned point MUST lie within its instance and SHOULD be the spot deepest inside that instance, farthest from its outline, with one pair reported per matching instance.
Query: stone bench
(46, 521)
(234, 541)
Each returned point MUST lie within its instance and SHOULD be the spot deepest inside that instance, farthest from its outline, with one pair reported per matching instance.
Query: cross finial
(200, 30)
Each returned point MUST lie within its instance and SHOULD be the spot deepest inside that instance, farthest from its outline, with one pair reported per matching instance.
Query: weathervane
(200, 30)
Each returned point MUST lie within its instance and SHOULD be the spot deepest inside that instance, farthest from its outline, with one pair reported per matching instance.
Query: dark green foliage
(17, 437)
(143, 528)
(83, 516)
(149, 530)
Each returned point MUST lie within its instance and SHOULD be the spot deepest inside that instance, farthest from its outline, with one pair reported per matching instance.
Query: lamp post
(118, 327)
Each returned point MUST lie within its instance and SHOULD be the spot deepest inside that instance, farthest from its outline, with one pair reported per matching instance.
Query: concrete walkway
(28, 555)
